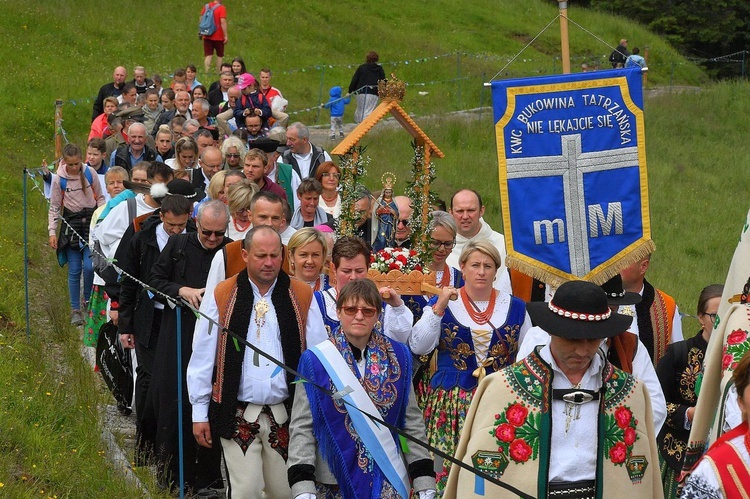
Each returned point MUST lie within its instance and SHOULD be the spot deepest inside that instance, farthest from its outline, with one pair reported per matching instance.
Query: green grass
(66, 50)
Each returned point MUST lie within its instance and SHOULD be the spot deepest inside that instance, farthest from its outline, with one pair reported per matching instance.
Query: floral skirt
(96, 315)
(444, 414)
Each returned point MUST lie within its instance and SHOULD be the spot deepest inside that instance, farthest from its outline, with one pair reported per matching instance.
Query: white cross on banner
(572, 169)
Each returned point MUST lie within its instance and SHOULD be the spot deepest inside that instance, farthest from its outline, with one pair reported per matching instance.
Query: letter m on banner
(573, 178)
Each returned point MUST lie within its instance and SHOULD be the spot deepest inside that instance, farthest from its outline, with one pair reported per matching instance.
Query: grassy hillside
(65, 49)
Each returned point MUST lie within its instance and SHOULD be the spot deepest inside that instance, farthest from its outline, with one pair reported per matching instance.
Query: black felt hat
(265, 144)
(618, 296)
(579, 310)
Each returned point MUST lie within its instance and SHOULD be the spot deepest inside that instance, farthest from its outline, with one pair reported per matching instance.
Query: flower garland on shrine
(353, 167)
(422, 198)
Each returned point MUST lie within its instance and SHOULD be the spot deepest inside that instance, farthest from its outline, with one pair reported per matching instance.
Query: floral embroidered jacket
(508, 431)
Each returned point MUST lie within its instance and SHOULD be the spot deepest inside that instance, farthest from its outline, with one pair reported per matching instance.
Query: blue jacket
(336, 104)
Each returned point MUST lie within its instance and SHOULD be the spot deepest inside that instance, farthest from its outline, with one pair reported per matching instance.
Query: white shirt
(502, 278)
(573, 453)
(304, 160)
(426, 332)
(258, 384)
(705, 475)
(287, 234)
(234, 233)
(643, 369)
(397, 321)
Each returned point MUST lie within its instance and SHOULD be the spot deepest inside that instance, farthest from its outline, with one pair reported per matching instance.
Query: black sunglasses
(217, 233)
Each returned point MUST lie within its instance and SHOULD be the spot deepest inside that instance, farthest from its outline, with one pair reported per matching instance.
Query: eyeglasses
(217, 233)
(210, 167)
(404, 222)
(232, 155)
(711, 316)
(332, 175)
(448, 245)
(366, 311)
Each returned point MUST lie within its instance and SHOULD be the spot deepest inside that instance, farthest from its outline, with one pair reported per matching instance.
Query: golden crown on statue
(389, 180)
(391, 89)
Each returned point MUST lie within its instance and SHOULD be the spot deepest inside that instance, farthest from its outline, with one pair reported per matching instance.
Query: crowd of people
(207, 198)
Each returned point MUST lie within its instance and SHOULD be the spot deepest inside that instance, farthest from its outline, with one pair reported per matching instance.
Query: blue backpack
(86, 173)
(207, 26)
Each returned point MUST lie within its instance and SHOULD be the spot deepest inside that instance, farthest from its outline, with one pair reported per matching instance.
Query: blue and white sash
(377, 439)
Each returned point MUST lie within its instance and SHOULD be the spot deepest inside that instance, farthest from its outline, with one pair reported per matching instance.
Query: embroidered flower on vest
(620, 434)
(517, 432)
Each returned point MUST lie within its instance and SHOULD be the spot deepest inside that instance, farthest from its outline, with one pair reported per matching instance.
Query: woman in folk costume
(350, 261)
(724, 472)
(678, 373)
(442, 240)
(335, 451)
(475, 335)
(563, 422)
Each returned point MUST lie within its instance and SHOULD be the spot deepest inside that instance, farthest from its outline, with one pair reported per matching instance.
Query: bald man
(113, 89)
(403, 231)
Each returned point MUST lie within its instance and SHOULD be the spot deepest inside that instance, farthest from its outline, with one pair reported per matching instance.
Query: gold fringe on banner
(554, 278)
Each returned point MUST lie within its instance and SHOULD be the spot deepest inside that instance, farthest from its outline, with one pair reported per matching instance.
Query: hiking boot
(333, 136)
(76, 318)
(341, 134)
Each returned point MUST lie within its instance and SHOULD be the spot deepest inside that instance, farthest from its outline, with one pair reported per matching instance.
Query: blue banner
(572, 169)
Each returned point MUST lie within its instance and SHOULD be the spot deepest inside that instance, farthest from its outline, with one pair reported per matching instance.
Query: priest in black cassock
(181, 272)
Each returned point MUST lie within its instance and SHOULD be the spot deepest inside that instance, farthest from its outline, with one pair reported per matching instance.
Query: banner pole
(180, 443)
(26, 252)
(565, 46)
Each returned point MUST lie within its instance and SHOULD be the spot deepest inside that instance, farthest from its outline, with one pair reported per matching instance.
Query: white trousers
(260, 472)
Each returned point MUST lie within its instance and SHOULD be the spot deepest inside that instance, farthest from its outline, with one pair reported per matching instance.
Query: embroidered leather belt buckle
(583, 489)
(575, 396)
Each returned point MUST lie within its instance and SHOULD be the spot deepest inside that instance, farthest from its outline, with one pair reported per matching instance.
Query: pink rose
(505, 432)
(520, 451)
(516, 414)
(623, 417)
(736, 336)
(618, 453)
(629, 436)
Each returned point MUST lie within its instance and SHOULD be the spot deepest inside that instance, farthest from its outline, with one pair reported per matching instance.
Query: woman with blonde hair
(185, 154)
(475, 335)
(307, 256)
(239, 197)
(234, 152)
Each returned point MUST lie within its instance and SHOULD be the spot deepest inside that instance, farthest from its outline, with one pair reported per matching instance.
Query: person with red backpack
(251, 101)
(75, 194)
